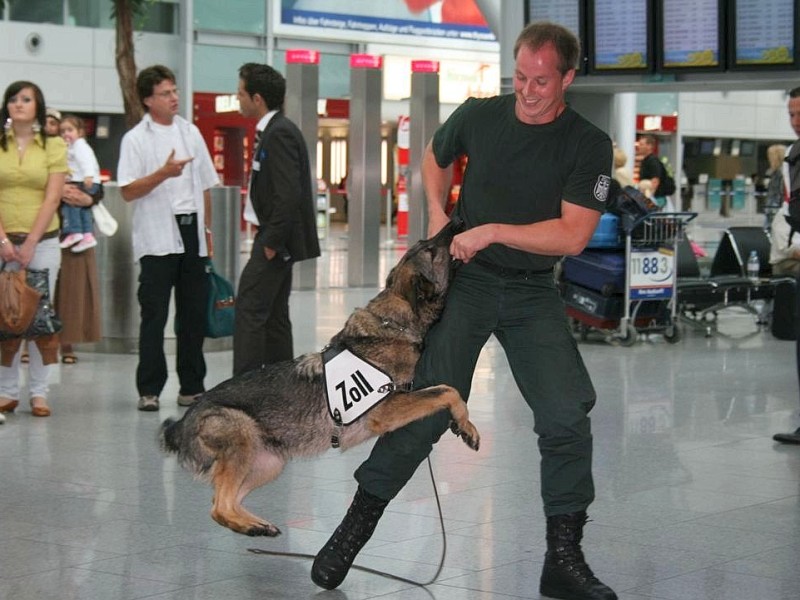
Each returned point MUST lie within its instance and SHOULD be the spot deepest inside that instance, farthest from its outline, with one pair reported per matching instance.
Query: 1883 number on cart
(652, 272)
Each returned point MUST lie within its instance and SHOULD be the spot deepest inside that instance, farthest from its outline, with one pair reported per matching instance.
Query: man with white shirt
(281, 206)
(166, 171)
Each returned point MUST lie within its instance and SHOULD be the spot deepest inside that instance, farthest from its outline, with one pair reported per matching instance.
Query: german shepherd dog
(239, 435)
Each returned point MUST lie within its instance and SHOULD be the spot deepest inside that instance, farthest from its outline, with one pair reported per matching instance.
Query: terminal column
(424, 121)
(302, 91)
(364, 171)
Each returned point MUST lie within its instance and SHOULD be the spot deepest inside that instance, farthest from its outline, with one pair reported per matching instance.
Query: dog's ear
(390, 278)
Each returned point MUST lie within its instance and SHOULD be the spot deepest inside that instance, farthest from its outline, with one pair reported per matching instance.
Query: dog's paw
(246, 525)
(263, 530)
(469, 434)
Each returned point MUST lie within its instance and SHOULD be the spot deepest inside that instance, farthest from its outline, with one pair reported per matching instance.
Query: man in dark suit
(281, 205)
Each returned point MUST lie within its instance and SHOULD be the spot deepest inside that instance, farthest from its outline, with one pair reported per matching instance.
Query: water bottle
(753, 267)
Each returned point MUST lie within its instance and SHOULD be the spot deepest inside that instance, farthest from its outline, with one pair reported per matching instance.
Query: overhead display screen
(763, 34)
(691, 35)
(620, 36)
(563, 12)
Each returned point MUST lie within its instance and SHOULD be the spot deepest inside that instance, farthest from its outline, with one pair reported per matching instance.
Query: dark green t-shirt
(518, 173)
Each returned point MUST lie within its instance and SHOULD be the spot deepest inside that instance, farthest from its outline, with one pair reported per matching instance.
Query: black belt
(186, 219)
(19, 238)
(510, 272)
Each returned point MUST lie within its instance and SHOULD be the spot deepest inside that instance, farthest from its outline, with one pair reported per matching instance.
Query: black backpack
(628, 202)
(793, 216)
(666, 184)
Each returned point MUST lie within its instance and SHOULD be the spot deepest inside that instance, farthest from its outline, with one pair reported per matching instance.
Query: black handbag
(45, 321)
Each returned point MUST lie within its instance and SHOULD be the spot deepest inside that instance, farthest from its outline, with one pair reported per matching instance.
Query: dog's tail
(168, 436)
(182, 437)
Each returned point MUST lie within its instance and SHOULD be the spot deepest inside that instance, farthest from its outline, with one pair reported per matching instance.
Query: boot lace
(571, 559)
(355, 530)
(568, 554)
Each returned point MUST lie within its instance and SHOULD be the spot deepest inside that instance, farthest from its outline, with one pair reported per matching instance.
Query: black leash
(375, 571)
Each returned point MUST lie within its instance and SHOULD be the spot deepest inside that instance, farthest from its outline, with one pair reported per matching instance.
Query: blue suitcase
(599, 270)
(607, 234)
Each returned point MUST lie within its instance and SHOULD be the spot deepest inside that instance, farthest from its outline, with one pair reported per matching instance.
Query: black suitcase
(609, 308)
(593, 302)
(785, 309)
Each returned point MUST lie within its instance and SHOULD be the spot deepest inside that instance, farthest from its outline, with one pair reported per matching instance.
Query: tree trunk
(126, 61)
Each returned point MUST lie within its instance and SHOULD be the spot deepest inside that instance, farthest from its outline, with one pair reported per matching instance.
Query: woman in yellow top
(33, 170)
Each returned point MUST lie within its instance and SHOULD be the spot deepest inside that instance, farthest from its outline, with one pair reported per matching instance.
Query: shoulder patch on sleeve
(601, 187)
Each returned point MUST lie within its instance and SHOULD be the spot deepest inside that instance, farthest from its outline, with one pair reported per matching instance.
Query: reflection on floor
(694, 501)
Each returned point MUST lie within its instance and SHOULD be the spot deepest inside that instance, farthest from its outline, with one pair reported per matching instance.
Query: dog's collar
(387, 322)
(393, 324)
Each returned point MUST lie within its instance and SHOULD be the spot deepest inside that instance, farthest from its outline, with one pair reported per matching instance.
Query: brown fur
(240, 434)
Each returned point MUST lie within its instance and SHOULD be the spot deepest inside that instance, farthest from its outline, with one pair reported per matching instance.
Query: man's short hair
(266, 82)
(540, 33)
(649, 139)
(794, 93)
(149, 78)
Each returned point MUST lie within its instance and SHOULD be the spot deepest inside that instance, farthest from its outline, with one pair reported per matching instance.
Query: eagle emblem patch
(601, 188)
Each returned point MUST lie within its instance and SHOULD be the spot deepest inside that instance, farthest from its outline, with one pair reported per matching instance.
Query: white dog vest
(353, 386)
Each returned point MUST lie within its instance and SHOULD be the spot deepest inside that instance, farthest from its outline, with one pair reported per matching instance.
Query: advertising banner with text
(453, 22)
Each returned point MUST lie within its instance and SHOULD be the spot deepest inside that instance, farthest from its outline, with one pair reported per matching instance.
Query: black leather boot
(333, 561)
(565, 574)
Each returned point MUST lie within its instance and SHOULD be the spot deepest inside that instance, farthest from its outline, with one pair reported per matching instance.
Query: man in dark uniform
(536, 182)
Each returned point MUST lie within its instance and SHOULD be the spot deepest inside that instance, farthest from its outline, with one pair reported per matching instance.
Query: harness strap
(336, 436)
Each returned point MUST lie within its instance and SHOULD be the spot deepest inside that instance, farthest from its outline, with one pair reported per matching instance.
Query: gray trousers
(526, 315)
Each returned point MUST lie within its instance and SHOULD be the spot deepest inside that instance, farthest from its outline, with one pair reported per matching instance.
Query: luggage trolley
(625, 288)
(651, 247)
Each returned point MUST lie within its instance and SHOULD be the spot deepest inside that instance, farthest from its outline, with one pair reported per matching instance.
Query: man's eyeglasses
(167, 93)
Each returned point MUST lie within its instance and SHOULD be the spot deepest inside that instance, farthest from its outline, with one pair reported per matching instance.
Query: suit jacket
(281, 192)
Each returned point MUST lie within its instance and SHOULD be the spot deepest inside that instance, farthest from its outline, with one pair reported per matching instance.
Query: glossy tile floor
(694, 500)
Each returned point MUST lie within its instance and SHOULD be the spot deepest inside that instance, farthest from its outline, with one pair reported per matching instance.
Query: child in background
(76, 221)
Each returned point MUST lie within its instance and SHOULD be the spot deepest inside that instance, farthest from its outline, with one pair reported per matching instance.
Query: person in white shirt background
(165, 169)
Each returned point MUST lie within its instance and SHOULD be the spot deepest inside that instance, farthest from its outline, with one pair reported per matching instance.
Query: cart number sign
(652, 273)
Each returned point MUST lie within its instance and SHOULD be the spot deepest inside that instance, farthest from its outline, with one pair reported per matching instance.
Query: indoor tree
(124, 13)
